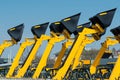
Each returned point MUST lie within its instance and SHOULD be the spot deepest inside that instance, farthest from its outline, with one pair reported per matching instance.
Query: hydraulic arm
(115, 75)
(51, 42)
(88, 40)
(99, 24)
(16, 34)
(66, 45)
(38, 31)
(43, 61)
(15, 64)
(62, 71)
(110, 41)
(62, 53)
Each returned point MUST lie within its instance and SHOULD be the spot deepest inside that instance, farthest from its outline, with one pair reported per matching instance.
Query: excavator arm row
(16, 34)
(97, 29)
(15, 64)
(62, 30)
(110, 41)
(115, 75)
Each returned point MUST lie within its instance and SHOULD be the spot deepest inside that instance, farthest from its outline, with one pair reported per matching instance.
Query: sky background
(33, 12)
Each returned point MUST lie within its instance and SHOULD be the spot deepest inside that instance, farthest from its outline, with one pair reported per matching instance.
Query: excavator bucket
(116, 31)
(16, 32)
(38, 30)
(104, 18)
(81, 27)
(56, 27)
(70, 23)
(106, 55)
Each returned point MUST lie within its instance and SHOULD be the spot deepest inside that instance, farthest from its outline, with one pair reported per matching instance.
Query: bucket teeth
(104, 18)
(16, 32)
(38, 30)
(70, 23)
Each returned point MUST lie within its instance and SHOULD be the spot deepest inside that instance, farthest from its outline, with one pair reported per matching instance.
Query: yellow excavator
(16, 35)
(103, 71)
(38, 31)
(115, 75)
(58, 62)
(67, 44)
(110, 41)
(110, 71)
(53, 39)
(62, 52)
(99, 24)
(71, 21)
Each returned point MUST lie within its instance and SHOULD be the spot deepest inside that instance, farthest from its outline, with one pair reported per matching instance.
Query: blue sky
(33, 12)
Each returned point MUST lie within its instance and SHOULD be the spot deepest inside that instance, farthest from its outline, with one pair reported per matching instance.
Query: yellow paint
(12, 29)
(103, 13)
(79, 26)
(67, 19)
(15, 64)
(56, 23)
(37, 27)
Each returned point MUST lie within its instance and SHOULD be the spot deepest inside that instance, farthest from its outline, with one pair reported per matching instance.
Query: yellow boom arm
(16, 35)
(31, 56)
(5, 44)
(38, 31)
(62, 52)
(28, 42)
(109, 42)
(88, 40)
(81, 37)
(43, 61)
(115, 75)
(99, 24)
